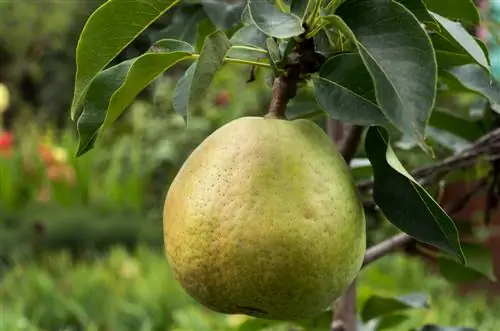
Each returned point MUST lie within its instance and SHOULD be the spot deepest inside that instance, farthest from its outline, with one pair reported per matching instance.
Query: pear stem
(284, 89)
(303, 60)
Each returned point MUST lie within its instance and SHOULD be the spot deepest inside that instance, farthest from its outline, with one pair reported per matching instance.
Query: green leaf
(319, 322)
(106, 33)
(205, 28)
(390, 322)
(171, 45)
(404, 202)
(432, 327)
(447, 139)
(455, 33)
(255, 324)
(194, 83)
(272, 21)
(324, 42)
(378, 306)
(224, 14)
(116, 87)
(474, 78)
(393, 47)
(251, 37)
(299, 7)
(184, 25)
(479, 265)
(445, 119)
(344, 89)
(273, 51)
(419, 9)
(304, 105)
(459, 10)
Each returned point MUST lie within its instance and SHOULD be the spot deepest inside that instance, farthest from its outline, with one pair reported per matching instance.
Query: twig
(345, 311)
(350, 143)
(386, 246)
(344, 316)
(486, 148)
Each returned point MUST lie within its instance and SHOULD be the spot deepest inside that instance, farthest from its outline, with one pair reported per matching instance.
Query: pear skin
(263, 219)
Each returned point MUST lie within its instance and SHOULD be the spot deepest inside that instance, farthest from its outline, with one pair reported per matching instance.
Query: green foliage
(374, 52)
(427, 220)
(136, 291)
(115, 193)
(405, 69)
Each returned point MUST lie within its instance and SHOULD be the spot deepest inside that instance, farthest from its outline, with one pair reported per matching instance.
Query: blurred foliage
(113, 195)
(136, 291)
(37, 53)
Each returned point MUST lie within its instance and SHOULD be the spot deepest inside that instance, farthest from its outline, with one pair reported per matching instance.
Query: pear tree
(385, 76)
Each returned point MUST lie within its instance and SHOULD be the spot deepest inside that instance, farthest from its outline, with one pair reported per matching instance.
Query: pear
(263, 219)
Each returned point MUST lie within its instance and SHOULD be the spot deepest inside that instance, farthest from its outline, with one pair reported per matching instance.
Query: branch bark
(345, 316)
(385, 247)
(350, 143)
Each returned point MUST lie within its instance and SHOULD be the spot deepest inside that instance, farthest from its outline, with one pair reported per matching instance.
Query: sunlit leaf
(106, 33)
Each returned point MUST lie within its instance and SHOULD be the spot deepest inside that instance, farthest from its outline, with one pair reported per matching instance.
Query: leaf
(433, 327)
(345, 91)
(404, 202)
(304, 105)
(419, 9)
(116, 87)
(299, 7)
(474, 78)
(447, 139)
(324, 42)
(319, 322)
(106, 33)
(445, 119)
(393, 47)
(460, 10)
(378, 306)
(251, 37)
(198, 77)
(255, 324)
(171, 45)
(184, 25)
(205, 28)
(224, 14)
(273, 51)
(455, 33)
(272, 21)
(390, 322)
(479, 265)
(448, 54)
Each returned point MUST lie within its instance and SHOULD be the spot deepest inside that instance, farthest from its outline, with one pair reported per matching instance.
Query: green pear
(263, 219)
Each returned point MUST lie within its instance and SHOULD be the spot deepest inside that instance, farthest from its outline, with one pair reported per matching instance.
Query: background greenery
(81, 239)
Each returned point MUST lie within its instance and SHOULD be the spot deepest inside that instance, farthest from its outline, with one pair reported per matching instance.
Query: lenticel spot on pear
(263, 219)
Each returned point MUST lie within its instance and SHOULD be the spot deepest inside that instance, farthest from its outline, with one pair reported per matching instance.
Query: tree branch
(345, 316)
(385, 247)
(351, 141)
(485, 148)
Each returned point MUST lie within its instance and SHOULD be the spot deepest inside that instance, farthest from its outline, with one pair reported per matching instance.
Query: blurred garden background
(81, 244)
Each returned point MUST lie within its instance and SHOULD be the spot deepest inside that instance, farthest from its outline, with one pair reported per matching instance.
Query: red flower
(6, 142)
